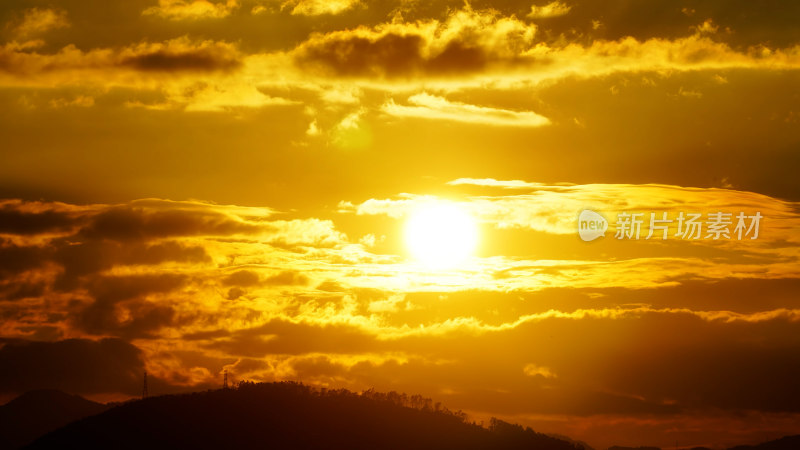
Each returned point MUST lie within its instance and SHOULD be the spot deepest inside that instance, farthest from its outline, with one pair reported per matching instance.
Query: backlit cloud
(426, 106)
(319, 7)
(553, 9)
(36, 21)
(191, 9)
(467, 41)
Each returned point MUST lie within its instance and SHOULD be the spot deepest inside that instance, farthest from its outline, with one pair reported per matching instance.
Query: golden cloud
(466, 42)
(319, 7)
(474, 47)
(191, 9)
(426, 106)
(36, 21)
(425, 59)
(554, 208)
(71, 64)
(552, 9)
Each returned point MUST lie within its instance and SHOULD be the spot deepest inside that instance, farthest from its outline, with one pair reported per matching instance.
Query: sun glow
(441, 235)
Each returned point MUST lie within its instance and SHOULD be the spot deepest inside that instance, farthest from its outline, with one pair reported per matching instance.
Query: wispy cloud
(552, 9)
(191, 9)
(319, 7)
(36, 21)
(426, 106)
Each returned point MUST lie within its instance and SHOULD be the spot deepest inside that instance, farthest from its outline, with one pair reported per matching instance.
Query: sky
(190, 187)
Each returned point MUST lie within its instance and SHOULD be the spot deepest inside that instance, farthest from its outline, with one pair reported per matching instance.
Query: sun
(441, 235)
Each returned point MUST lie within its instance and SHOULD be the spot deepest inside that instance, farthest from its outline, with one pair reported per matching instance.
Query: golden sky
(196, 186)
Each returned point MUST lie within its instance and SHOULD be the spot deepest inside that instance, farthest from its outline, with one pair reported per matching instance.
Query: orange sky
(197, 186)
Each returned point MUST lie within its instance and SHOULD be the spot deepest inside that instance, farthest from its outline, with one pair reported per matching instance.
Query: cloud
(385, 325)
(553, 9)
(631, 55)
(138, 269)
(15, 258)
(37, 21)
(474, 46)
(156, 219)
(179, 55)
(319, 7)
(306, 233)
(27, 218)
(462, 49)
(285, 337)
(81, 244)
(83, 257)
(287, 294)
(589, 371)
(532, 370)
(491, 182)
(553, 208)
(428, 106)
(287, 278)
(178, 10)
(176, 55)
(121, 307)
(239, 284)
(467, 41)
(243, 278)
(707, 27)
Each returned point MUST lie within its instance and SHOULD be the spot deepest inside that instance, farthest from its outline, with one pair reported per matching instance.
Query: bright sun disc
(441, 235)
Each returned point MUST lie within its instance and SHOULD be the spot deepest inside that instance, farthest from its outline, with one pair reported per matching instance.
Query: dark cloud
(391, 55)
(769, 22)
(654, 362)
(203, 335)
(16, 221)
(128, 293)
(74, 365)
(184, 60)
(746, 296)
(248, 278)
(15, 259)
(90, 256)
(117, 288)
(164, 251)
(331, 286)
(287, 278)
(285, 337)
(243, 278)
(16, 290)
(234, 293)
(740, 22)
(135, 223)
(177, 56)
(462, 42)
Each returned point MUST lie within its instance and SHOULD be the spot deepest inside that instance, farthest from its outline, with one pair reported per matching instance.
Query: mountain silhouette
(291, 416)
(35, 413)
(619, 447)
(784, 443)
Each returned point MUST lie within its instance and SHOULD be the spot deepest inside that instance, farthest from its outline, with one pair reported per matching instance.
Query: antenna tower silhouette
(144, 387)
(225, 380)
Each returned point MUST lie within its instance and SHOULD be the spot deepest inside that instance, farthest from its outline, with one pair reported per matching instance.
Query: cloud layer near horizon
(199, 287)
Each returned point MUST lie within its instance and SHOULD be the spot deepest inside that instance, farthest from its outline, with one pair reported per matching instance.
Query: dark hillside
(291, 416)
